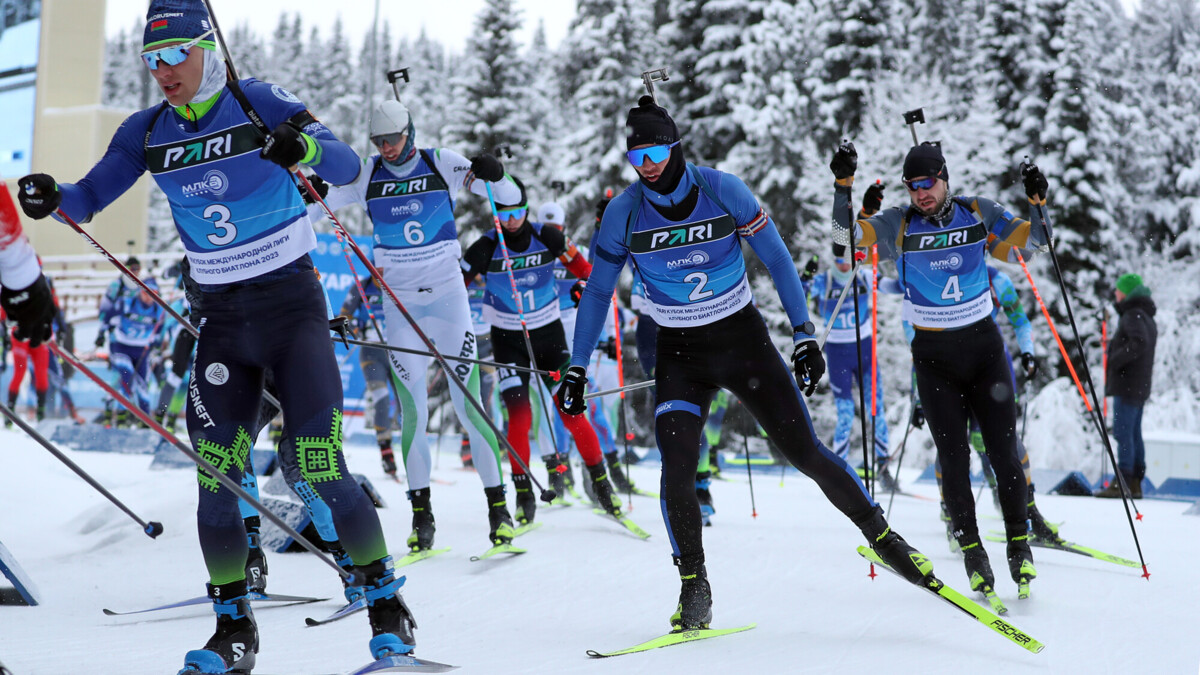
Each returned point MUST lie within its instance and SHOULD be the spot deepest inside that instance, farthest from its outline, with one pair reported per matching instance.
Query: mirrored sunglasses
(656, 153)
(172, 55)
(920, 183)
(514, 213)
(391, 139)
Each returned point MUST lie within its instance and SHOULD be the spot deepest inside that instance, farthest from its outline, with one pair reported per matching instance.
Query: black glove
(100, 339)
(873, 198)
(487, 167)
(600, 206)
(319, 185)
(38, 195)
(577, 291)
(609, 347)
(810, 270)
(570, 393)
(845, 161)
(918, 416)
(32, 309)
(1035, 182)
(286, 146)
(1030, 364)
(809, 364)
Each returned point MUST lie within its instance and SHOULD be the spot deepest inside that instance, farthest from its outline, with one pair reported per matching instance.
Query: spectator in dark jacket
(1127, 379)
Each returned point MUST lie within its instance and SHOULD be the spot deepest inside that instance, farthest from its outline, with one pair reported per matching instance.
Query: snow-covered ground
(586, 584)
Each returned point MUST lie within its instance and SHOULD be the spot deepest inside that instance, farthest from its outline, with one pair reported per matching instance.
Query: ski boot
(954, 547)
(589, 489)
(339, 555)
(256, 562)
(392, 623)
(234, 646)
(694, 610)
(907, 561)
(620, 482)
(569, 479)
(703, 481)
(1042, 530)
(526, 500)
(714, 466)
(1020, 558)
(387, 458)
(498, 518)
(421, 538)
(887, 482)
(604, 490)
(554, 470)
(979, 570)
(41, 406)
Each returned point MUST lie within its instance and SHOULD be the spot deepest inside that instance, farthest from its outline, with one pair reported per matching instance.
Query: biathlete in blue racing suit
(682, 226)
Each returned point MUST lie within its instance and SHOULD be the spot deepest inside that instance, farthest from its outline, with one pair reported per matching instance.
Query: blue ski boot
(233, 647)
(392, 623)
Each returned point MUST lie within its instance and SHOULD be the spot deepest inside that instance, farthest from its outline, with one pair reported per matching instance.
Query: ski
(526, 529)
(402, 663)
(624, 520)
(350, 608)
(673, 638)
(204, 600)
(937, 587)
(496, 550)
(1070, 547)
(417, 556)
(994, 600)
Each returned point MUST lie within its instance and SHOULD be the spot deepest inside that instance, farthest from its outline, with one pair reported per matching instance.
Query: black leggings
(734, 353)
(960, 372)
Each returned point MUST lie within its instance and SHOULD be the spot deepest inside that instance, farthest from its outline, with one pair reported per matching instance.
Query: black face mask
(672, 173)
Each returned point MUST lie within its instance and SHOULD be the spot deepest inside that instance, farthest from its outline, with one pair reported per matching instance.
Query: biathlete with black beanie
(683, 226)
(532, 249)
(259, 304)
(409, 194)
(940, 244)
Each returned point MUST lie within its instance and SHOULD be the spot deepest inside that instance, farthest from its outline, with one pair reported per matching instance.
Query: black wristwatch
(807, 328)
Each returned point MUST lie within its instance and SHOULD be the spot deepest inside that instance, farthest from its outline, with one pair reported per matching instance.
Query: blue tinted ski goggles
(514, 213)
(921, 183)
(656, 153)
(174, 54)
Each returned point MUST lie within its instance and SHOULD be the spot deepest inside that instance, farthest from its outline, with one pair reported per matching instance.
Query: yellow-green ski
(673, 638)
(987, 618)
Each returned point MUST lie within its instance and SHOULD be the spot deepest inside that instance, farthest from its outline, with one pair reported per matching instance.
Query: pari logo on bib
(216, 373)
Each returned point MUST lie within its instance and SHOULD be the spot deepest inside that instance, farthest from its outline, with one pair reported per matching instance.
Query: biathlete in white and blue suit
(940, 244)
(683, 226)
(260, 305)
(409, 194)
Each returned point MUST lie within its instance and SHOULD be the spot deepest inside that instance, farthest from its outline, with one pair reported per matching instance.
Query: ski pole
(874, 351)
(1125, 500)
(152, 528)
(227, 482)
(868, 465)
(552, 374)
(618, 390)
(621, 385)
(512, 281)
(1054, 330)
(749, 475)
(1104, 368)
(546, 495)
(900, 460)
(187, 325)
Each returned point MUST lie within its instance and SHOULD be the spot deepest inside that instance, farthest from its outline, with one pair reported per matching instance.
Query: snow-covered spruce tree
(249, 52)
(711, 128)
(287, 55)
(853, 51)
(682, 35)
(428, 95)
(489, 93)
(770, 108)
(602, 48)
(544, 106)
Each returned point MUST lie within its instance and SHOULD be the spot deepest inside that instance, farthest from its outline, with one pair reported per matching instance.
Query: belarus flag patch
(158, 25)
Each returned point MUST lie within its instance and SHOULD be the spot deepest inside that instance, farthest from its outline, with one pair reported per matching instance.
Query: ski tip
(109, 612)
